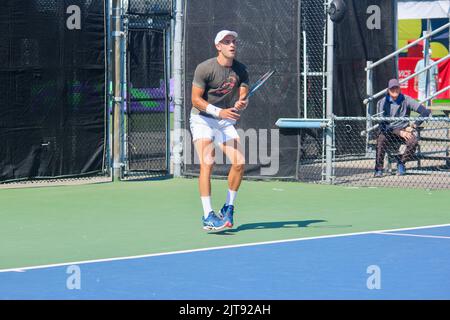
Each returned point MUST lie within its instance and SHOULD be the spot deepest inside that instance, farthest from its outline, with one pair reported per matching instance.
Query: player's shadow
(270, 225)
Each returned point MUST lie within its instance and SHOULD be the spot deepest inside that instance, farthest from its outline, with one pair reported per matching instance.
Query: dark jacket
(401, 107)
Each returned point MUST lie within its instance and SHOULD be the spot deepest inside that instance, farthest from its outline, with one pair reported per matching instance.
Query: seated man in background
(396, 104)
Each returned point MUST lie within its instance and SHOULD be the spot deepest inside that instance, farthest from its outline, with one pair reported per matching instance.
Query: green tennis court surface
(51, 225)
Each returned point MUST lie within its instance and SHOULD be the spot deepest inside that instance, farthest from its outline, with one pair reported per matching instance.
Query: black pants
(390, 142)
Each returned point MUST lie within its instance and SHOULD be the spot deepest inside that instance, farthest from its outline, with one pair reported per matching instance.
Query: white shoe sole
(208, 228)
(213, 228)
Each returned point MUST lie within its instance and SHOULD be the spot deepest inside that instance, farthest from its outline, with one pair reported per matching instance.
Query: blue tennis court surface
(404, 264)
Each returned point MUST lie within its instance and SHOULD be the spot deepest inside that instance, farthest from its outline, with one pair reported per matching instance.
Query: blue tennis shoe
(214, 222)
(228, 212)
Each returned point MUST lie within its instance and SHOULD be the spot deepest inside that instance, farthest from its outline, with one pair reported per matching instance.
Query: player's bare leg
(232, 149)
(206, 153)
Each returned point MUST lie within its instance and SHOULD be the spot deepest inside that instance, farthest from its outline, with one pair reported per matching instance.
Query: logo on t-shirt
(226, 87)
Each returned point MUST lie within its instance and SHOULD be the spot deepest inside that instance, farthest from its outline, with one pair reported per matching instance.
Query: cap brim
(230, 33)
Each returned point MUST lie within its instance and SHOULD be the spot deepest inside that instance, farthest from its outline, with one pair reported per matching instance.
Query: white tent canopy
(425, 9)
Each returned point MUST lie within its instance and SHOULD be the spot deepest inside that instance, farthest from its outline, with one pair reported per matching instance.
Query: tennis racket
(259, 83)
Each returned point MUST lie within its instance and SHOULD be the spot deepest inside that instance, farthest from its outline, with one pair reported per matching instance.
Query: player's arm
(421, 110)
(243, 92)
(203, 105)
(242, 103)
(199, 84)
(197, 100)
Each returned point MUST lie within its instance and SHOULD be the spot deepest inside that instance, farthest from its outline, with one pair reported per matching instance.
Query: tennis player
(219, 91)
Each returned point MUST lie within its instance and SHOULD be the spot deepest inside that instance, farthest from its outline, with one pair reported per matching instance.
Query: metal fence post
(369, 108)
(117, 99)
(108, 87)
(426, 59)
(178, 83)
(305, 77)
(329, 131)
(123, 87)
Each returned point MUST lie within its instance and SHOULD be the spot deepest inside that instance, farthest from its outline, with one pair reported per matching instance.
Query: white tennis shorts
(217, 130)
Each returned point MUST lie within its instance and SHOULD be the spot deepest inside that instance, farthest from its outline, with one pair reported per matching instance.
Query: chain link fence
(313, 57)
(147, 107)
(376, 155)
(145, 14)
(311, 151)
(365, 155)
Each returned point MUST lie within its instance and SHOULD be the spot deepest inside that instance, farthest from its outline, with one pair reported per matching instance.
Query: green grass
(73, 223)
(441, 102)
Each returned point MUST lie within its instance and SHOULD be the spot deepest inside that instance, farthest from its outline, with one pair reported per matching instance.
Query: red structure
(406, 68)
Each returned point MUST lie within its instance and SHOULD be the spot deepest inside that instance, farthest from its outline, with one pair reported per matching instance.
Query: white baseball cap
(222, 34)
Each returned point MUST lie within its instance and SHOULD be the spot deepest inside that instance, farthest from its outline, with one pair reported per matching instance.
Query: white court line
(23, 269)
(413, 235)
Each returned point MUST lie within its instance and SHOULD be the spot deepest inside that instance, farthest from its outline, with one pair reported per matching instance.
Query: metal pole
(178, 83)
(124, 89)
(395, 8)
(116, 25)
(426, 59)
(369, 109)
(305, 78)
(435, 94)
(167, 76)
(329, 131)
(435, 63)
(109, 89)
(393, 54)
